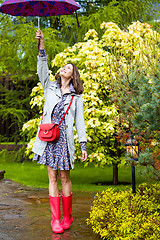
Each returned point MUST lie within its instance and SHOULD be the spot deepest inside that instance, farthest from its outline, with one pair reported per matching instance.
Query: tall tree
(103, 64)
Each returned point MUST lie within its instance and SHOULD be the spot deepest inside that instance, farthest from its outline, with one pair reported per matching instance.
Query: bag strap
(65, 112)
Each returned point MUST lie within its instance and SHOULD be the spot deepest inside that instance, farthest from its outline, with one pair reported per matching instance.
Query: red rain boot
(56, 214)
(67, 209)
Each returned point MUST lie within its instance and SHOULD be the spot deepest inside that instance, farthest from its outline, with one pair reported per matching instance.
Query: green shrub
(124, 215)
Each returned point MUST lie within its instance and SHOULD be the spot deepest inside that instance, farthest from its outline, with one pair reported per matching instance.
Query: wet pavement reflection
(25, 214)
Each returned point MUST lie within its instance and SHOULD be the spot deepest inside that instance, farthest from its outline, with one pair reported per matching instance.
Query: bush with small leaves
(124, 215)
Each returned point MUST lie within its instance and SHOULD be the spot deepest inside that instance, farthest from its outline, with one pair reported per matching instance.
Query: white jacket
(52, 96)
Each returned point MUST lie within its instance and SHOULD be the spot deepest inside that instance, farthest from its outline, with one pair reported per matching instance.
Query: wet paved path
(25, 214)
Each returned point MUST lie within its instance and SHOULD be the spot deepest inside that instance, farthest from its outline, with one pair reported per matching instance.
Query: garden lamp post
(132, 148)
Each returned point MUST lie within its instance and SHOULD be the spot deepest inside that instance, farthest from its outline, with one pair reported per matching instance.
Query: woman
(59, 156)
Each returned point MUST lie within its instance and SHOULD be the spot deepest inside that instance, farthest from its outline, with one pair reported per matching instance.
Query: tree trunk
(115, 174)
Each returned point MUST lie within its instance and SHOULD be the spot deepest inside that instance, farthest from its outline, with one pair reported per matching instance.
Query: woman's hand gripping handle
(40, 37)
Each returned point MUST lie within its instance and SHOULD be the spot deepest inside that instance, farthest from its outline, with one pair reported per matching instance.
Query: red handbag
(49, 132)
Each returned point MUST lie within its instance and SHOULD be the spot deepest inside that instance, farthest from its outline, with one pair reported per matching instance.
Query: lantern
(132, 149)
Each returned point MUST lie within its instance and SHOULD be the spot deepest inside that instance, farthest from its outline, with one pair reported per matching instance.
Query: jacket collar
(72, 90)
(58, 90)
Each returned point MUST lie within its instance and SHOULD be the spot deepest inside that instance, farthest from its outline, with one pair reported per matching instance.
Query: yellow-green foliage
(124, 215)
(101, 61)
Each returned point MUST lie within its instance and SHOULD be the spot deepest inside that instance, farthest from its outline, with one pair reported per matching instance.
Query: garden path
(25, 214)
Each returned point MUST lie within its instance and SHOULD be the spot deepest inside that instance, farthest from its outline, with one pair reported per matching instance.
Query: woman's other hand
(84, 156)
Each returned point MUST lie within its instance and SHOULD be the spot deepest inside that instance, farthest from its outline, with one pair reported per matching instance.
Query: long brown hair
(76, 81)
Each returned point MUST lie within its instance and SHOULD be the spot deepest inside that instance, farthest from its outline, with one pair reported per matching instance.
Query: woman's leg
(53, 182)
(54, 200)
(66, 199)
(66, 182)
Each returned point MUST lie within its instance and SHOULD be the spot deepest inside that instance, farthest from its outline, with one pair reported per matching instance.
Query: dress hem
(52, 167)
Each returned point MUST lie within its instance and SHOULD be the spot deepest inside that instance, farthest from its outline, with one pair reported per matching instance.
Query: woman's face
(66, 71)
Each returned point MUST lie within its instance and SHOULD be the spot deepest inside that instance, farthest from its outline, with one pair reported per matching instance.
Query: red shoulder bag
(49, 132)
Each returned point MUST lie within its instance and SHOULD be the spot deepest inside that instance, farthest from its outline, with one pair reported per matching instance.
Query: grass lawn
(84, 179)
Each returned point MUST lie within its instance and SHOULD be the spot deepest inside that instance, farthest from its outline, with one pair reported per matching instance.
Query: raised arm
(42, 66)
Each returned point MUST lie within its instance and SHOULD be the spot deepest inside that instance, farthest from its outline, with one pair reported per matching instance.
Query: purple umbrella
(39, 7)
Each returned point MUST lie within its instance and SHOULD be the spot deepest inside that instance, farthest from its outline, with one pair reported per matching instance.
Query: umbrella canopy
(42, 8)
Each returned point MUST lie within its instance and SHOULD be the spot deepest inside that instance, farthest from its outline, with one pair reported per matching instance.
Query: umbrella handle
(38, 44)
(38, 28)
